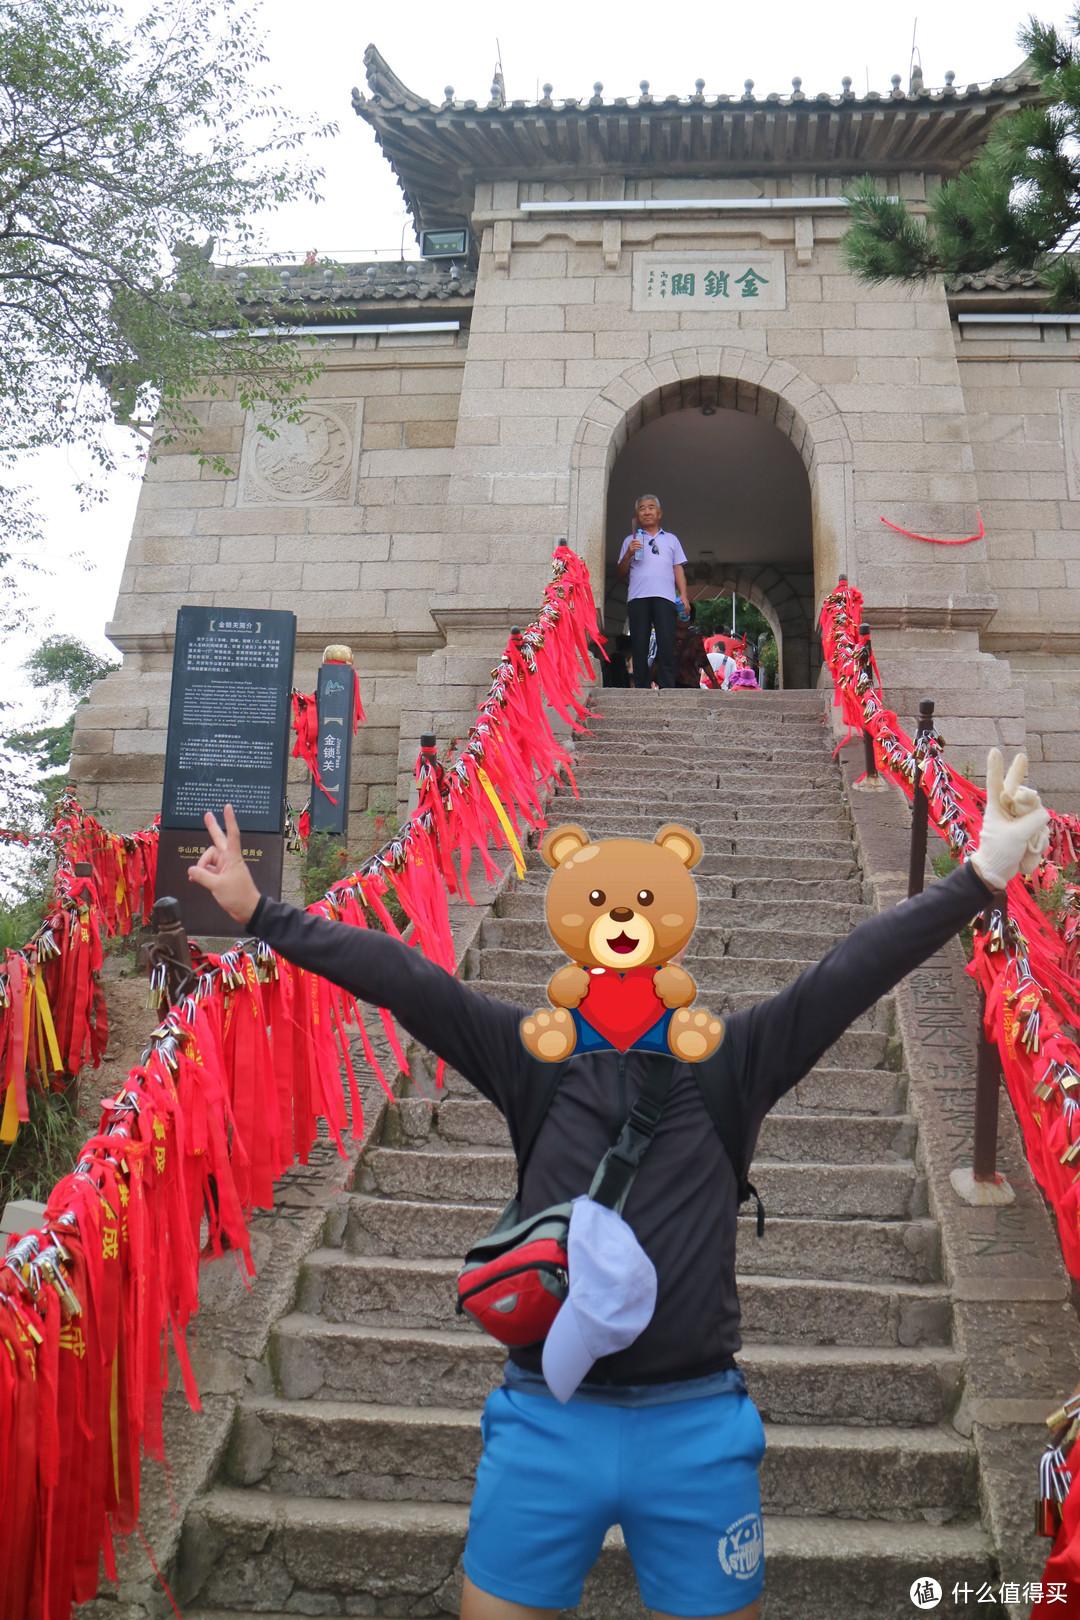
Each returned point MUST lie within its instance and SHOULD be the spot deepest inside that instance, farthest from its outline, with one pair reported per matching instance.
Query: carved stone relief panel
(311, 462)
(1070, 414)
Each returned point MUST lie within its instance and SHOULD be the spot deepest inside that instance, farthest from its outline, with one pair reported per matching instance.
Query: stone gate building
(654, 297)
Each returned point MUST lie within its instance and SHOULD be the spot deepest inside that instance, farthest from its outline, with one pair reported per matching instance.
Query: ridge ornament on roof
(440, 151)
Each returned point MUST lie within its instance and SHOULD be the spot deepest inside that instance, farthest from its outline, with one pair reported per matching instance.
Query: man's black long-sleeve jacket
(683, 1205)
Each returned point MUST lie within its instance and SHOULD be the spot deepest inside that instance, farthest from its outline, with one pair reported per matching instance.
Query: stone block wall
(1020, 381)
(339, 519)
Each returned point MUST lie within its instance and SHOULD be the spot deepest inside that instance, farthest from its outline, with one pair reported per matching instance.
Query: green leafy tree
(66, 669)
(1015, 207)
(121, 148)
(33, 770)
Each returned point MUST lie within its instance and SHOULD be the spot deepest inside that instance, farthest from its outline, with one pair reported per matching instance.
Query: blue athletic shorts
(680, 1478)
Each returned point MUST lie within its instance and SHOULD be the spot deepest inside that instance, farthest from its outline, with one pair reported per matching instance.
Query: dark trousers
(659, 613)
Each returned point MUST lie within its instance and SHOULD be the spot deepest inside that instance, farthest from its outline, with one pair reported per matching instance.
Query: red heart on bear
(622, 1006)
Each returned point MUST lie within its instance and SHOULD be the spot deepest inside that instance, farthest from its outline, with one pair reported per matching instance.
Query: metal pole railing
(865, 658)
(987, 1083)
(919, 806)
(169, 949)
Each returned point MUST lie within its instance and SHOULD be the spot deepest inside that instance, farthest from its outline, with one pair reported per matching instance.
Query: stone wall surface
(1023, 412)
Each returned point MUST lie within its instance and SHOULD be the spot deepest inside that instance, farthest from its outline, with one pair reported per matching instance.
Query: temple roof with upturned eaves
(440, 151)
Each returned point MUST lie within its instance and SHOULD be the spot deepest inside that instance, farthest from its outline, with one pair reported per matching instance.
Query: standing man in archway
(652, 558)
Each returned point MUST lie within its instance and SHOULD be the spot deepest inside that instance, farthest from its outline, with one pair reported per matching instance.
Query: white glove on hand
(1014, 830)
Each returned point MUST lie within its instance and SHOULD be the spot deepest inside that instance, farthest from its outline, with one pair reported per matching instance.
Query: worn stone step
(812, 1189)
(835, 1139)
(719, 998)
(348, 1450)
(601, 786)
(462, 1119)
(796, 863)
(808, 853)
(825, 1090)
(388, 1291)
(847, 1385)
(405, 1554)
(786, 791)
(813, 912)
(858, 1051)
(807, 906)
(841, 1251)
(711, 807)
(820, 1138)
(715, 974)
(691, 740)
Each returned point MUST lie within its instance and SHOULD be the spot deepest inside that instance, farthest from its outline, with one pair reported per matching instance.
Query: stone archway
(726, 378)
(781, 599)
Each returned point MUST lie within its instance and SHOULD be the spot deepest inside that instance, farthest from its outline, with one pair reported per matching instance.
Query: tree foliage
(121, 147)
(66, 669)
(1015, 207)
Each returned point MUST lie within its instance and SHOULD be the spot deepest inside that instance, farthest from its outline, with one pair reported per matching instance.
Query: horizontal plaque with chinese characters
(709, 281)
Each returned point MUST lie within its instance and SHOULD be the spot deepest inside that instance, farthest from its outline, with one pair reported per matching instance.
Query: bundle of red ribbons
(1026, 964)
(52, 1011)
(231, 1091)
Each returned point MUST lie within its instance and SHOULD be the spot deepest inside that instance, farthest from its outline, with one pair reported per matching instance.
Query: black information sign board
(335, 709)
(227, 743)
(228, 738)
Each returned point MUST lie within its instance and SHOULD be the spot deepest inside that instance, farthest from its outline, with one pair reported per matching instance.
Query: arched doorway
(736, 492)
(726, 379)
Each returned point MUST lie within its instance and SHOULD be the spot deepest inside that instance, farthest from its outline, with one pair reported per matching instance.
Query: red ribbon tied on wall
(932, 539)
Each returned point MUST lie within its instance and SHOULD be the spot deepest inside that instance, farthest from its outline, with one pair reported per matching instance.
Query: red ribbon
(933, 540)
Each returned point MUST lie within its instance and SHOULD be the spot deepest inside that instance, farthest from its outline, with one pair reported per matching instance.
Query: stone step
(688, 753)
(715, 974)
(712, 806)
(798, 863)
(877, 1192)
(465, 1120)
(618, 783)
(810, 904)
(787, 791)
(347, 1450)
(841, 1251)
(420, 1367)
(820, 1138)
(357, 1557)
(743, 841)
(824, 1090)
(858, 1052)
(718, 998)
(385, 1291)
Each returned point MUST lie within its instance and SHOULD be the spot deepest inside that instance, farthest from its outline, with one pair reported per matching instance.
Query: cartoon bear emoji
(621, 909)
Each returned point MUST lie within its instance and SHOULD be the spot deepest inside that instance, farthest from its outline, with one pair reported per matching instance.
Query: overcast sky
(316, 56)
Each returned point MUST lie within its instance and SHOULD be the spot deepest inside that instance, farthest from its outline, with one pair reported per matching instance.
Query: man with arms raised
(654, 1431)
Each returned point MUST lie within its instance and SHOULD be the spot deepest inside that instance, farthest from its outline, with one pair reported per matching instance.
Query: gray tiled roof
(996, 281)
(441, 150)
(335, 289)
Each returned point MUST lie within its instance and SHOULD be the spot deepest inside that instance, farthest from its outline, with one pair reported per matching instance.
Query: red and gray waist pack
(515, 1279)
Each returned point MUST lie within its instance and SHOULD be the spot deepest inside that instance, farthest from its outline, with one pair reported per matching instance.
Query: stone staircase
(346, 1490)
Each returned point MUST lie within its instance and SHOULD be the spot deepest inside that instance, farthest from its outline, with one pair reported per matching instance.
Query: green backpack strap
(723, 1104)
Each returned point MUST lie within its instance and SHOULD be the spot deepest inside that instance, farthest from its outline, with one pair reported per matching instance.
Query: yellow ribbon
(507, 827)
(9, 1125)
(45, 1021)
